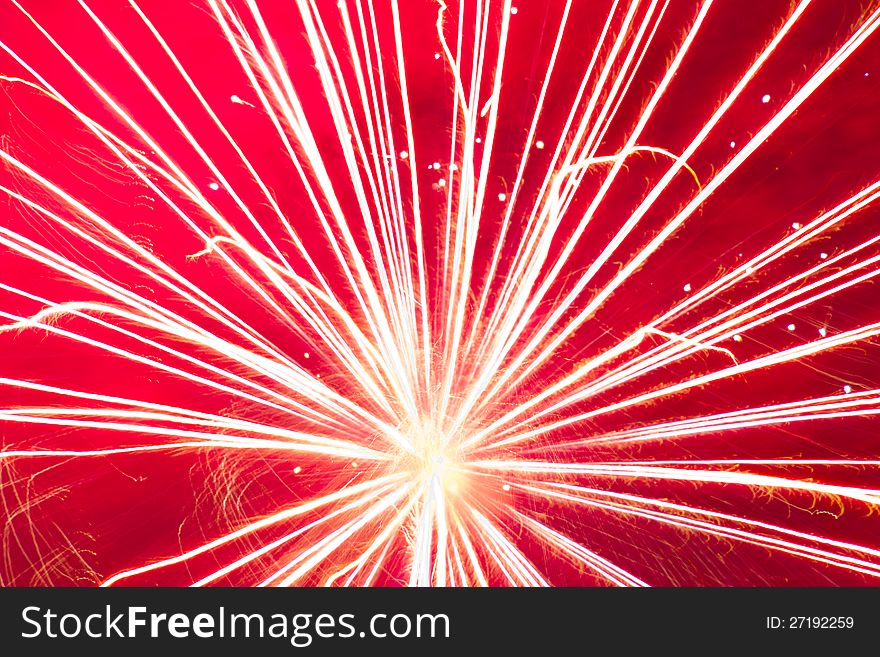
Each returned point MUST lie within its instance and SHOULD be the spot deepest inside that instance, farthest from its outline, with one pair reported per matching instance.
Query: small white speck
(733, 144)
(479, 140)
(539, 145)
(238, 100)
(796, 226)
(214, 186)
(514, 10)
(765, 98)
(435, 166)
(867, 74)
(404, 155)
(441, 182)
(737, 338)
(505, 487)
(436, 55)
(502, 196)
(823, 255)
(847, 389)
(790, 327)
(297, 470)
(306, 354)
(687, 287)
(823, 332)
(354, 464)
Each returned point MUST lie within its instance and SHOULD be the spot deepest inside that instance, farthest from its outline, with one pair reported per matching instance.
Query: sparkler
(367, 293)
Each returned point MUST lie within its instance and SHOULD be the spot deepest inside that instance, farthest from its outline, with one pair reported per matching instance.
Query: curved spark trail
(439, 293)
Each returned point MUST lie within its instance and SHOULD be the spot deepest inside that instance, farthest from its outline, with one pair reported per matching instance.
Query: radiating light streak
(682, 521)
(312, 505)
(309, 558)
(603, 567)
(739, 478)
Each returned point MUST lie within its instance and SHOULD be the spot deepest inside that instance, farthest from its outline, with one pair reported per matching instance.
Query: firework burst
(376, 293)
